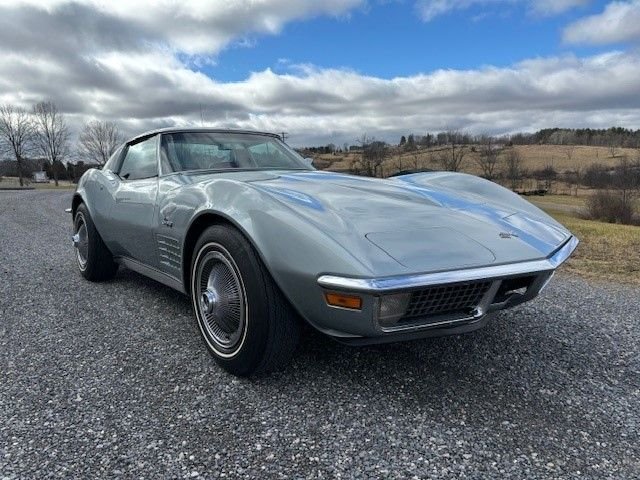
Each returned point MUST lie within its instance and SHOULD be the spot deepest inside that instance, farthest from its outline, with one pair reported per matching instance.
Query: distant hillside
(563, 158)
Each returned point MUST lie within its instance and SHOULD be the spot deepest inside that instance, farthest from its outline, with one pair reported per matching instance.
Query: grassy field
(561, 200)
(606, 252)
(569, 204)
(12, 182)
(534, 157)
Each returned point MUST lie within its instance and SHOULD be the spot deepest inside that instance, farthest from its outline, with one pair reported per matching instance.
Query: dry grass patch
(607, 251)
(12, 182)
(534, 157)
(568, 200)
(561, 203)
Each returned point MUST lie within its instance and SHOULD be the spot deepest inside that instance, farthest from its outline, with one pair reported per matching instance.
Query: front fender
(294, 251)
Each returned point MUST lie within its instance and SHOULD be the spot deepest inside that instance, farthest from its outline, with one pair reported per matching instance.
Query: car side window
(140, 161)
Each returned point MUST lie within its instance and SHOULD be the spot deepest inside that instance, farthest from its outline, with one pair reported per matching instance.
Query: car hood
(412, 224)
(422, 227)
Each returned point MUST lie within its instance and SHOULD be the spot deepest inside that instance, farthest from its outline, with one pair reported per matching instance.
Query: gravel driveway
(112, 379)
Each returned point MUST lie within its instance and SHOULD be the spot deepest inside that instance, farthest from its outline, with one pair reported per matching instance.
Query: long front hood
(422, 228)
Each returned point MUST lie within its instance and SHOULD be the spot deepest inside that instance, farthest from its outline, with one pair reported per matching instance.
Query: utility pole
(284, 136)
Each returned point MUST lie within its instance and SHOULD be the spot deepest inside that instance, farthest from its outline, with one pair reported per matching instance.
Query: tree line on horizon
(612, 137)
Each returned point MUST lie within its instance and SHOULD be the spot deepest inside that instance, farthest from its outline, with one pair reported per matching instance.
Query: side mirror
(309, 161)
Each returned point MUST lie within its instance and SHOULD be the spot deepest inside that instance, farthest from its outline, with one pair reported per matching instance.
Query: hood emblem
(507, 234)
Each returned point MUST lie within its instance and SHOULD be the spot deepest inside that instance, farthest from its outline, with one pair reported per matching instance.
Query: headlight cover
(392, 308)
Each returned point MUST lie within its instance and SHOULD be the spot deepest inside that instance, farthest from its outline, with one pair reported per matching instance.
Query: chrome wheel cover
(220, 299)
(81, 242)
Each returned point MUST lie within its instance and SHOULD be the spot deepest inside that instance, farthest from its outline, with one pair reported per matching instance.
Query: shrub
(597, 175)
(612, 207)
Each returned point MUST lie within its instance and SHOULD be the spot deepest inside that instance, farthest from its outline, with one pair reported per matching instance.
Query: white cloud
(195, 26)
(553, 7)
(97, 65)
(429, 9)
(154, 89)
(619, 22)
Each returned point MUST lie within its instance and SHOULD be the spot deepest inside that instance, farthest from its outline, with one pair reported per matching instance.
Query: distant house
(40, 177)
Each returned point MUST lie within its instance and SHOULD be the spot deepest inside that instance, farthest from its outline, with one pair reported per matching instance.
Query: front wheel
(246, 322)
(94, 259)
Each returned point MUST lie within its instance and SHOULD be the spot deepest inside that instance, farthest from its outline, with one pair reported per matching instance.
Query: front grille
(459, 298)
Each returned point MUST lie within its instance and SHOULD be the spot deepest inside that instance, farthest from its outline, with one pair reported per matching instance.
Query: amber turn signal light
(343, 301)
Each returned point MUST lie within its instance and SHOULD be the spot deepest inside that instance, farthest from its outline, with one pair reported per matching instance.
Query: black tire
(247, 324)
(94, 259)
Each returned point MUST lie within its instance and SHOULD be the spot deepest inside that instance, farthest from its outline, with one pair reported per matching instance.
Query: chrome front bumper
(406, 282)
(498, 296)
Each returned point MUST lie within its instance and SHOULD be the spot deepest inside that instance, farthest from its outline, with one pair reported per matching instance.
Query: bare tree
(452, 157)
(51, 135)
(568, 151)
(415, 161)
(16, 133)
(626, 180)
(572, 178)
(617, 203)
(488, 157)
(98, 140)
(513, 168)
(397, 163)
(613, 142)
(547, 176)
(373, 154)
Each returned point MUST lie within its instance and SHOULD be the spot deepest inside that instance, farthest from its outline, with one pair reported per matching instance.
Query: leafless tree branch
(98, 141)
(51, 135)
(16, 133)
(488, 157)
(453, 156)
(513, 168)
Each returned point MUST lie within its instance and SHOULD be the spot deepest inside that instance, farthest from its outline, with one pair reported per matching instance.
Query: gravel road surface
(112, 380)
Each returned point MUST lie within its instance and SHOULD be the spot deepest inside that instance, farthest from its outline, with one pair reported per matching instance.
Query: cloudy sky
(330, 70)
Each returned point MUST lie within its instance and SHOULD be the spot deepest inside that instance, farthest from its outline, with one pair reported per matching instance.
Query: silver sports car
(260, 240)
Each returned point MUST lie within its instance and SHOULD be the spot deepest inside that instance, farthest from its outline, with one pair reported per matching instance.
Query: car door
(133, 215)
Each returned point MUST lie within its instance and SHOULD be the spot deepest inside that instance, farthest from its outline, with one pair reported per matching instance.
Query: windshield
(185, 151)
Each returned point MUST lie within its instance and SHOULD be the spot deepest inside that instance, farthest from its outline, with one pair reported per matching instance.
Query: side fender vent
(169, 252)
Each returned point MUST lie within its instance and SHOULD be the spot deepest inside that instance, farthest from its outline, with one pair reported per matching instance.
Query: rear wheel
(94, 259)
(246, 322)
